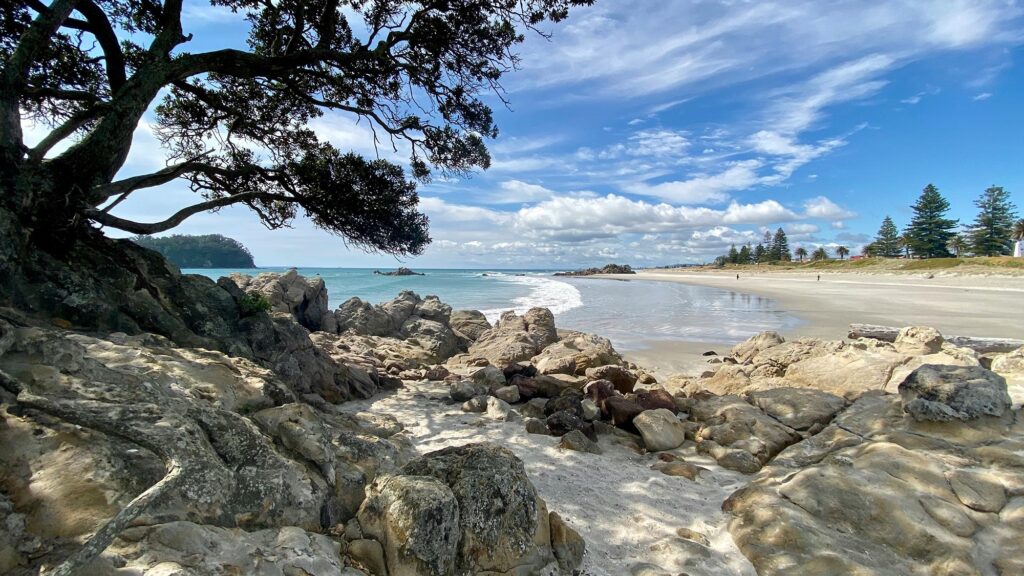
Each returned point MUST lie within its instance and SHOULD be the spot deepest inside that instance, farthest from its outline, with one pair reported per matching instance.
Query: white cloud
(703, 188)
(982, 96)
(825, 209)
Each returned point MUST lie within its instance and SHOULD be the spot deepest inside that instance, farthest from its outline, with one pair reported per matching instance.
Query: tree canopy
(887, 241)
(208, 251)
(929, 231)
(992, 231)
(234, 122)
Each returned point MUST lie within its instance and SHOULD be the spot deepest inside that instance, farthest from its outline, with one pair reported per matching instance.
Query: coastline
(965, 305)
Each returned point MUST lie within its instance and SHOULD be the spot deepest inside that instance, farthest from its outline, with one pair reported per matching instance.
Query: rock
(523, 369)
(436, 373)
(369, 554)
(730, 423)
(746, 350)
(850, 372)
(660, 429)
(536, 426)
(621, 411)
(509, 394)
(304, 298)
(693, 535)
(168, 548)
(943, 393)
(565, 421)
(590, 410)
(570, 403)
(475, 404)
(622, 379)
(534, 408)
(515, 338)
(490, 377)
(575, 353)
(918, 340)
(600, 390)
(527, 387)
(647, 569)
(798, 408)
(466, 389)
(468, 325)
(566, 544)
(400, 271)
(1010, 365)
(500, 410)
(978, 490)
(416, 519)
(433, 336)
(500, 518)
(575, 440)
(678, 468)
(655, 399)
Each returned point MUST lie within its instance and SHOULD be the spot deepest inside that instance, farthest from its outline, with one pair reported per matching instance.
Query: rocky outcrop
(575, 353)
(606, 269)
(660, 429)
(941, 393)
(401, 271)
(468, 326)
(469, 509)
(304, 298)
(878, 492)
(515, 338)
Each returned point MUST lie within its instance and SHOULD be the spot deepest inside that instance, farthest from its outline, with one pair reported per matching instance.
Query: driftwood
(981, 345)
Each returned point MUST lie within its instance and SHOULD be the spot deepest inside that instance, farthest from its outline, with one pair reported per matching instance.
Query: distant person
(819, 277)
(737, 276)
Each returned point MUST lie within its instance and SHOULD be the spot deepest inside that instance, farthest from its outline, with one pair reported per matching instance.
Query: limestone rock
(464, 390)
(515, 338)
(468, 325)
(746, 350)
(660, 429)
(304, 298)
(490, 377)
(536, 426)
(590, 410)
(475, 404)
(575, 353)
(941, 393)
(509, 394)
(566, 544)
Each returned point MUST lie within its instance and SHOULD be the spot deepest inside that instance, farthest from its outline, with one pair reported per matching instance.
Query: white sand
(626, 512)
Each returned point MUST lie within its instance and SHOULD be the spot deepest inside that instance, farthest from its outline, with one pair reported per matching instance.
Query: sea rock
(509, 394)
(433, 336)
(502, 523)
(942, 393)
(536, 426)
(498, 409)
(534, 408)
(436, 373)
(361, 317)
(798, 408)
(590, 410)
(565, 421)
(620, 377)
(852, 371)
(660, 429)
(577, 441)
(418, 322)
(878, 493)
(621, 411)
(656, 398)
(476, 404)
(733, 424)
(679, 468)
(600, 390)
(464, 390)
(515, 338)
(575, 353)
(469, 324)
(571, 403)
(746, 350)
(416, 519)
(304, 298)
(918, 340)
(489, 377)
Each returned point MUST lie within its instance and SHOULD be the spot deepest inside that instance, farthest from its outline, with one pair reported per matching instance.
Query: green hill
(209, 251)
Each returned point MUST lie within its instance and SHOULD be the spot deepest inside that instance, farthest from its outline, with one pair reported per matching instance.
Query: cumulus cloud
(825, 209)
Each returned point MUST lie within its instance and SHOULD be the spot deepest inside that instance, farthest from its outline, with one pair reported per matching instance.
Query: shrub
(253, 303)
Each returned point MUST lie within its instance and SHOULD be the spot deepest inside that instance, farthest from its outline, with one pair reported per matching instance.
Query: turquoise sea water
(628, 312)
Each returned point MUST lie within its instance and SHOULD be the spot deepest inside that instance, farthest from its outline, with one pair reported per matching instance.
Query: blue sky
(663, 135)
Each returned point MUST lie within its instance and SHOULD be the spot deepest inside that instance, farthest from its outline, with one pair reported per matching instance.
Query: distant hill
(209, 251)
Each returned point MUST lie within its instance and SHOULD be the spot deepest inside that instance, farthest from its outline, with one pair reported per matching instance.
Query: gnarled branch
(180, 216)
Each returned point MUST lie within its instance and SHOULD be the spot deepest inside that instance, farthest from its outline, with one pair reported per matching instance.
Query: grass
(932, 264)
(885, 264)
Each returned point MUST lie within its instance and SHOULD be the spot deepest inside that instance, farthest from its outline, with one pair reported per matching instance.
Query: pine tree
(887, 241)
(929, 231)
(992, 231)
(760, 254)
(734, 256)
(780, 247)
(745, 254)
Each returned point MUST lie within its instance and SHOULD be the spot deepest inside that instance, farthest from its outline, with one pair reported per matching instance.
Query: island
(207, 251)
(607, 269)
(400, 272)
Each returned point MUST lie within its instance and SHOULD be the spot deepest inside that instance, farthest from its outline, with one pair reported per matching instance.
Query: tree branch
(99, 26)
(180, 216)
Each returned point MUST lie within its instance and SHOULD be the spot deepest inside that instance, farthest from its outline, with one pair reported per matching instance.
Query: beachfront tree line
(773, 248)
(930, 234)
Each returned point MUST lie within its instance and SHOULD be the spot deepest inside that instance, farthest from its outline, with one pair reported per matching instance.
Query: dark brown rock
(657, 398)
(621, 411)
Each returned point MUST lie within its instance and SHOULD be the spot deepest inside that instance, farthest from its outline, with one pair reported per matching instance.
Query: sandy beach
(962, 305)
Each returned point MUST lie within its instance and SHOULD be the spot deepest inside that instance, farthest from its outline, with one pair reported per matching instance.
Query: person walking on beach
(819, 277)
(737, 276)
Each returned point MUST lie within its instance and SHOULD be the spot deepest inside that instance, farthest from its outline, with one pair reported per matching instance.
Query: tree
(992, 231)
(734, 256)
(887, 241)
(745, 254)
(842, 252)
(209, 251)
(820, 253)
(929, 230)
(957, 244)
(760, 254)
(780, 247)
(234, 122)
(869, 250)
(1018, 230)
(801, 253)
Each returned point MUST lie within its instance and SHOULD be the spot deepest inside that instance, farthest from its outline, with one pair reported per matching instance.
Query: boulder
(468, 325)
(476, 404)
(733, 424)
(798, 408)
(577, 441)
(852, 371)
(502, 524)
(509, 394)
(566, 544)
(564, 403)
(589, 409)
(621, 411)
(620, 377)
(515, 338)
(565, 421)
(536, 426)
(416, 519)
(490, 377)
(746, 350)
(498, 409)
(464, 390)
(575, 353)
(656, 398)
(943, 393)
(918, 341)
(305, 299)
(660, 429)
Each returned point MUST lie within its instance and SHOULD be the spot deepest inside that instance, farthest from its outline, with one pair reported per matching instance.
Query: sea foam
(545, 292)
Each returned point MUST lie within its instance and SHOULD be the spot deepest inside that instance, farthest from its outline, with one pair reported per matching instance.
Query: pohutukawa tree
(234, 121)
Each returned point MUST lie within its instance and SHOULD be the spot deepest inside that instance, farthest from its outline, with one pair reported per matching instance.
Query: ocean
(630, 313)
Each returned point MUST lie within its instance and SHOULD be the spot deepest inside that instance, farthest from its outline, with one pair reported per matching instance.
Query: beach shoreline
(964, 305)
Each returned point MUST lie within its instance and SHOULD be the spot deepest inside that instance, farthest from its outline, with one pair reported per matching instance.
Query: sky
(662, 135)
